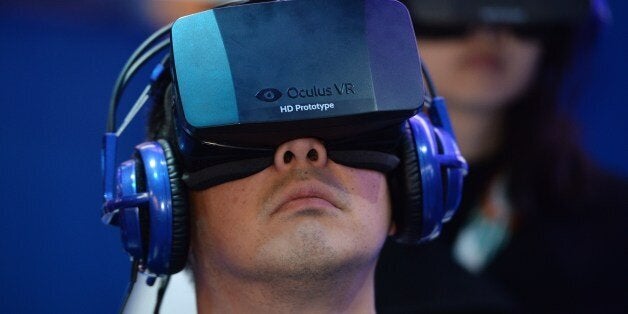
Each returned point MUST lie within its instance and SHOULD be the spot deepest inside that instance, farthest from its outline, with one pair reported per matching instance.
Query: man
(302, 235)
(298, 227)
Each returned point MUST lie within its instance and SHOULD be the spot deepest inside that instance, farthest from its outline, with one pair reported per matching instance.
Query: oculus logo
(269, 95)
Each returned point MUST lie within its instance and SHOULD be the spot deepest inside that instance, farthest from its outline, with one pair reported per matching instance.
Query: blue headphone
(145, 196)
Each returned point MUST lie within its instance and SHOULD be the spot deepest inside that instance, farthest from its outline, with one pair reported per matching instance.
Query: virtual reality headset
(527, 13)
(256, 75)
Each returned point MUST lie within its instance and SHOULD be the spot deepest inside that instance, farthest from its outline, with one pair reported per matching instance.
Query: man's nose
(302, 152)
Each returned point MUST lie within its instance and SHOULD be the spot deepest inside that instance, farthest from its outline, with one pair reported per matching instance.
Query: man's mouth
(310, 199)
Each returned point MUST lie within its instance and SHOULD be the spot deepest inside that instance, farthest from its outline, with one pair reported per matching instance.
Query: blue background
(58, 63)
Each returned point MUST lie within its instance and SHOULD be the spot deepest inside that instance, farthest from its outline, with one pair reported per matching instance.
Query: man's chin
(315, 251)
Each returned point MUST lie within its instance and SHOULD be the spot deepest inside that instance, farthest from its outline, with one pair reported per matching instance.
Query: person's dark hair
(160, 124)
(542, 152)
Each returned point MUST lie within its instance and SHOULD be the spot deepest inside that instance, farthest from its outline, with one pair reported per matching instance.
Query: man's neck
(351, 293)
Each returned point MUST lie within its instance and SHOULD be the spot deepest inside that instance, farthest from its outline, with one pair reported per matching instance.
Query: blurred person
(538, 218)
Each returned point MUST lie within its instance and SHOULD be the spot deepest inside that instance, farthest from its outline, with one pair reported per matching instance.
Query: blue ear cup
(431, 175)
(454, 168)
(155, 228)
(129, 217)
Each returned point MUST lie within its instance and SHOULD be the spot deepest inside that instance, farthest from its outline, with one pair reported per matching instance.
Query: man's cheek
(370, 185)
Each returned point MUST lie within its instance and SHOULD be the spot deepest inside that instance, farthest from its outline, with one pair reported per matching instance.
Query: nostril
(312, 155)
(287, 157)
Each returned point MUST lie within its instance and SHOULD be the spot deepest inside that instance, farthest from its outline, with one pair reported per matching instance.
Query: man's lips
(302, 197)
(483, 60)
(309, 204)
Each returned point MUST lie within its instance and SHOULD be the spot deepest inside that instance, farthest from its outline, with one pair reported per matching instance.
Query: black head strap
(225, 172)
(365, 159)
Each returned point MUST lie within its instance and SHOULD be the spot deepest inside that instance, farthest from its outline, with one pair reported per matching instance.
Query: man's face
(303, 216)
(483, 70)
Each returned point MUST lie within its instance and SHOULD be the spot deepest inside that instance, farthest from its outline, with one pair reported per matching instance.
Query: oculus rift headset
(528, 19)
(528, 13)
(247, 78)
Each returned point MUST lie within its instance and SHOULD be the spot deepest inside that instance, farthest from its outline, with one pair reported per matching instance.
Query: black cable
(118, 86)
(143, 59)
(163, 285)
(428, 80)
(129, 289)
